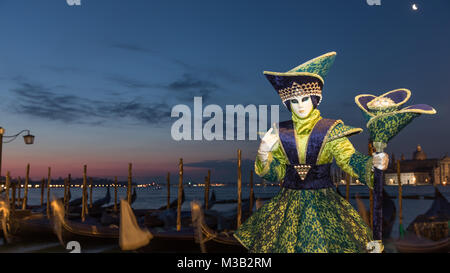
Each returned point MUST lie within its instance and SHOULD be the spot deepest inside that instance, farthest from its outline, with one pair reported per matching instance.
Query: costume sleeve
(351, 161)
(274, 168)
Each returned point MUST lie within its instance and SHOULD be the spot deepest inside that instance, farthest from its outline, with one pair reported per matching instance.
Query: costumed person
(308, 215)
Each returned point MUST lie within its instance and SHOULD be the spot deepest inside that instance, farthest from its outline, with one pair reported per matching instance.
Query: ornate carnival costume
(308, 215)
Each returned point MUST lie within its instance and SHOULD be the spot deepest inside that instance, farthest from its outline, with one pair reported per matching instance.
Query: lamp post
(28, 138)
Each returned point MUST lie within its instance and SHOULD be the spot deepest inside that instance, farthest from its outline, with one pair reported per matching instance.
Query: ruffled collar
(305, 125)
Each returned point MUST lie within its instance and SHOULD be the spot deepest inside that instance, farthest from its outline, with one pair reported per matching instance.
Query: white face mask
(302, 105)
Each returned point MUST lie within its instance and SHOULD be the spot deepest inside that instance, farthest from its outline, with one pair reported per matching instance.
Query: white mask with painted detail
(302, 105)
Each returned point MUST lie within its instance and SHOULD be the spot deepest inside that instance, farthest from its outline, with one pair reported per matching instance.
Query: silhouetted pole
(90, 192)
(49, 181)
(251, 192)
(7, 187)
(129, 184)
(84, 201)
(239, 184)
(19, 184)
(25, 194)
(168, 190)
(66, 205)
(13, 199)
(371, 190)
(400, 199)
(42, 191)
(207, 185)
(180, 193)
(115, 194)
(65, 192)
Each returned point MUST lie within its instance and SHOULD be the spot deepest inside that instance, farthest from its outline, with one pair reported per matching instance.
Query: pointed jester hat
(384, 117)
(305, 79)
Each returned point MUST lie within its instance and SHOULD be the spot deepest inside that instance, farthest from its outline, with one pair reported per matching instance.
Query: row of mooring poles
(16, 201)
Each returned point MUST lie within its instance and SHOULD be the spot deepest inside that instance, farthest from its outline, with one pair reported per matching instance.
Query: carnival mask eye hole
(294, 101)
(305, 99)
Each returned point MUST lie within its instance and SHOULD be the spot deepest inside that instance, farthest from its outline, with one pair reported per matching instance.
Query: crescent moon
(414, 7)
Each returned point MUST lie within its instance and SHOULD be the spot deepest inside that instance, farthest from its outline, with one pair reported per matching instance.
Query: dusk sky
(96, 83)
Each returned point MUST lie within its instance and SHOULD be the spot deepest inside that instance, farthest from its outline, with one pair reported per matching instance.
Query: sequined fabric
(305, 221)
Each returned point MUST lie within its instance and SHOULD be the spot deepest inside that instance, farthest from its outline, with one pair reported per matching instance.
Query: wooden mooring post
(115, 194)
(66, 204)
(168, 190)
(90, 192)
(42, 191)
(129, 183)
(180, 194)
(13, 197)
(49, 181)
(371, 150)
(84, 193)
(400, 196)
(25, 194)
(207, 185)
(19, 185)
(7, 187)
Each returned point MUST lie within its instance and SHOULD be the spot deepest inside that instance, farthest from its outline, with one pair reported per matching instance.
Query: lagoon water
(153, 197)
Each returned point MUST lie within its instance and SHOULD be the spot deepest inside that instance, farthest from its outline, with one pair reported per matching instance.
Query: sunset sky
(96, 83)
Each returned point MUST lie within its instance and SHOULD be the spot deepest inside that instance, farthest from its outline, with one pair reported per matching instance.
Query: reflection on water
(155, 198)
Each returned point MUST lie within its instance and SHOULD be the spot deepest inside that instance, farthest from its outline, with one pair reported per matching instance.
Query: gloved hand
(381, 161)
(267, 143)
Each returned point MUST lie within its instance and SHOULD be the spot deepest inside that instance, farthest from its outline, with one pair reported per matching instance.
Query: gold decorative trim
(417, 111)
(362, 107)
(408, 95)
(239, 240)
(287, 74)
(311, 88)
(325, 140)
(346, 133)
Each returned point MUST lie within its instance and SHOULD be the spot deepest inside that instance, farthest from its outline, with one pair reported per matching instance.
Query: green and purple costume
(307, 215)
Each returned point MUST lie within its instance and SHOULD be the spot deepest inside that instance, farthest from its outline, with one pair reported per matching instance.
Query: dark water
(152, 197)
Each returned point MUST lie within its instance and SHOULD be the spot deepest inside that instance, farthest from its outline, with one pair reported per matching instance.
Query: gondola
(428, 232)
(91, 230)
(33, 225)
(211, 241)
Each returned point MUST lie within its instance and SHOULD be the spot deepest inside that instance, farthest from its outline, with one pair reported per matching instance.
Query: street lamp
(28, 139)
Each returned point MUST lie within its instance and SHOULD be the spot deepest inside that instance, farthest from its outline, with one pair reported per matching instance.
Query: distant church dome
(419, 154)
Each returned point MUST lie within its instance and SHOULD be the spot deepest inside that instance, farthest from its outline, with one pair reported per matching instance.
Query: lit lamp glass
(29, 139)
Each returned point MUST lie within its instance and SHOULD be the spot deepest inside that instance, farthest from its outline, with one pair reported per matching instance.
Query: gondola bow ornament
(385, 119)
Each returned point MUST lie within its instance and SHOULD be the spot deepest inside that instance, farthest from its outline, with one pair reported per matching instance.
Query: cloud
(43, 102)
(184, 89)
(129, 82)
(132, 47)
(189, 86)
